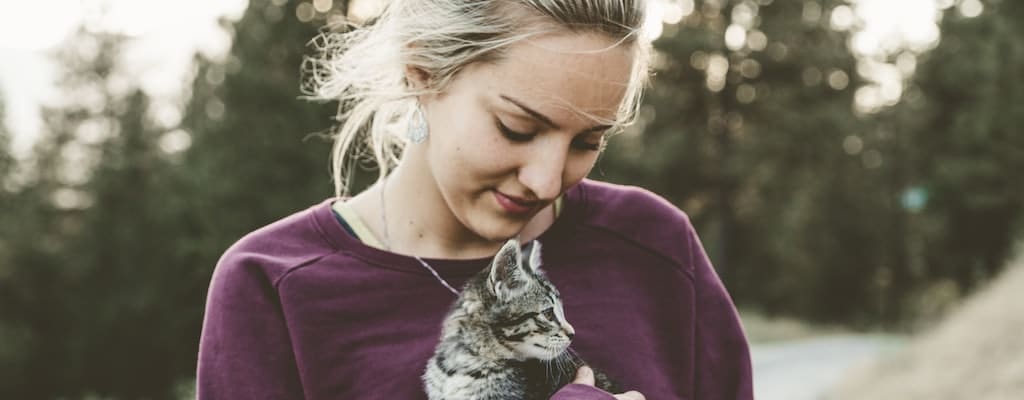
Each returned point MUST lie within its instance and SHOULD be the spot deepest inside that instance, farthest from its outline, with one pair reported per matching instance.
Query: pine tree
(6, 158)
(91, 294)
(256, 154)
(964, 118)
(743, 128)
(45, 213)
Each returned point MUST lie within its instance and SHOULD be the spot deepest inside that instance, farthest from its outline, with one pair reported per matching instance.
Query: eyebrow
(543, 118)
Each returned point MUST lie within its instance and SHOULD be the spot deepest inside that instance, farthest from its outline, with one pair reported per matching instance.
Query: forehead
(526, 302)
(567, 75)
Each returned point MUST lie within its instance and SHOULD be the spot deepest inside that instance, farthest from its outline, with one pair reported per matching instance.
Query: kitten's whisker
(563, 366)
(548, 371)
(556, 361)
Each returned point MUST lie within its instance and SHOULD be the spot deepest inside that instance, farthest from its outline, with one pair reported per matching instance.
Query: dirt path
(976, 353)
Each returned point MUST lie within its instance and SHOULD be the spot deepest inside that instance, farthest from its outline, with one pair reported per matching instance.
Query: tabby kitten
(506, 336)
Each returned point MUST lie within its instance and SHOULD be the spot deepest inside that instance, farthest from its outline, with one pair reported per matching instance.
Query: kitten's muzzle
(568, 329)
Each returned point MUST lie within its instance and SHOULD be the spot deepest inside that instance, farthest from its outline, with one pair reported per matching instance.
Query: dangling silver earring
(417, 126)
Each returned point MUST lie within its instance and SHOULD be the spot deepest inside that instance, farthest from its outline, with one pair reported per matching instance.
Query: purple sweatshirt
(301, 309)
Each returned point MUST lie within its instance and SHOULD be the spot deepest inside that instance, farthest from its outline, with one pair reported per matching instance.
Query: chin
(499, 230)
(545, 354)
(542, 350)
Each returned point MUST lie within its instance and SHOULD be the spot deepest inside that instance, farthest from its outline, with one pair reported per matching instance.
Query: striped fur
(506, 337)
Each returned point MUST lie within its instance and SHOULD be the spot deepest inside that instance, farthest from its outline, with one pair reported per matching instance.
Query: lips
(515, 205)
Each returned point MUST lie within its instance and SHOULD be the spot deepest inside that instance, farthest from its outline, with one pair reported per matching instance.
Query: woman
(499, 109)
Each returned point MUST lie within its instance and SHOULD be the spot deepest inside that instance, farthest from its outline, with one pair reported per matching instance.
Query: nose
(543, 172)
(569, 331)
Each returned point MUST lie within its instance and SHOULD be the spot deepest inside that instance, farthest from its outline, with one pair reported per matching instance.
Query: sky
(166, 33)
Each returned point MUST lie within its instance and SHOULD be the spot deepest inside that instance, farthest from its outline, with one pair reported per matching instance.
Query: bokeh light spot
(746, 93)
(970, 8)
(323, 6)
(838, 80)
(305, 12)
(735, 37)
(175, 141)
(853, 145)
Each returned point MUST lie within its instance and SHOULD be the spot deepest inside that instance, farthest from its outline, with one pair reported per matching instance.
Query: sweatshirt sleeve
(245, 351)
(575, 391)
(722, 352)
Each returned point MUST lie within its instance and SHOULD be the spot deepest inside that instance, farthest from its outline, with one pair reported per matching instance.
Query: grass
(762, 329)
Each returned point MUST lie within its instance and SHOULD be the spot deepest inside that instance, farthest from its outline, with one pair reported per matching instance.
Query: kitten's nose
(569, 331)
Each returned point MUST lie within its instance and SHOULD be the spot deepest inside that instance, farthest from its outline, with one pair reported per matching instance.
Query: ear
(507, 276)
(532, 254)
(416, 77)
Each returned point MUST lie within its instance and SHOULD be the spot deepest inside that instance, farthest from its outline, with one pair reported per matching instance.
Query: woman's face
(507, 138)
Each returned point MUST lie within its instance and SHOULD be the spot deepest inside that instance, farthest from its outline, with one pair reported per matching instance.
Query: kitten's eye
(550, 314)
(512, 135)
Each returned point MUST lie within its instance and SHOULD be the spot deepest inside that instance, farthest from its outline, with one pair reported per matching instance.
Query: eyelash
(519, 137)
(513, 135)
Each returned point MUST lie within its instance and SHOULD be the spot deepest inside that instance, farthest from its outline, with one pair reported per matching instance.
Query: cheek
(472, 164)
(469, 148)
(486, 155)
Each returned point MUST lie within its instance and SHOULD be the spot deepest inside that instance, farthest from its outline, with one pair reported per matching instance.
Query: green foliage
(798, 197)
(84, 288)
(966, 146)
(116, 238)
(256, 155)
(749, 141)
(6, 158)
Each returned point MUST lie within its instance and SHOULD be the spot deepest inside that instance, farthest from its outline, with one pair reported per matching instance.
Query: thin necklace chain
(387, 239)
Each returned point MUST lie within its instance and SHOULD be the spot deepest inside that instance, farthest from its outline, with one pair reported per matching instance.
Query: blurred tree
(82, 289)
(43, 215)
(254, 155)
(127, 281)
(12, 334)
(6, 158)
(113, 203)
(122, 223)
(962, 114)
(744, 129)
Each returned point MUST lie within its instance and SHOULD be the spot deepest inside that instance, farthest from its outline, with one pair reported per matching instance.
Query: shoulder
(639, 216)
(274, 250)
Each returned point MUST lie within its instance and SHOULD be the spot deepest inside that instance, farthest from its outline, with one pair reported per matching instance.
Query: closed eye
(579, 143)
(512, 135)
(582, 144)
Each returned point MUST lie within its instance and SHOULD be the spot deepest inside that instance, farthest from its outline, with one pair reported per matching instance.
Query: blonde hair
(364, 68)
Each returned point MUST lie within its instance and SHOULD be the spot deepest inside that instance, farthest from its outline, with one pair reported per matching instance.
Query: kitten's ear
(507, 275)
(532, 254)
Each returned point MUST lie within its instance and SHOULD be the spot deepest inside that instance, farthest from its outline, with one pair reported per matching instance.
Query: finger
(630, 395)
(584, 376)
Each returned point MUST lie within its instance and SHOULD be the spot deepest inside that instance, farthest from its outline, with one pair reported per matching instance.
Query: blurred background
(853, 168)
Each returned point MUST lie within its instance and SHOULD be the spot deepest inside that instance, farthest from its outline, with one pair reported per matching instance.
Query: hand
(585, 376)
